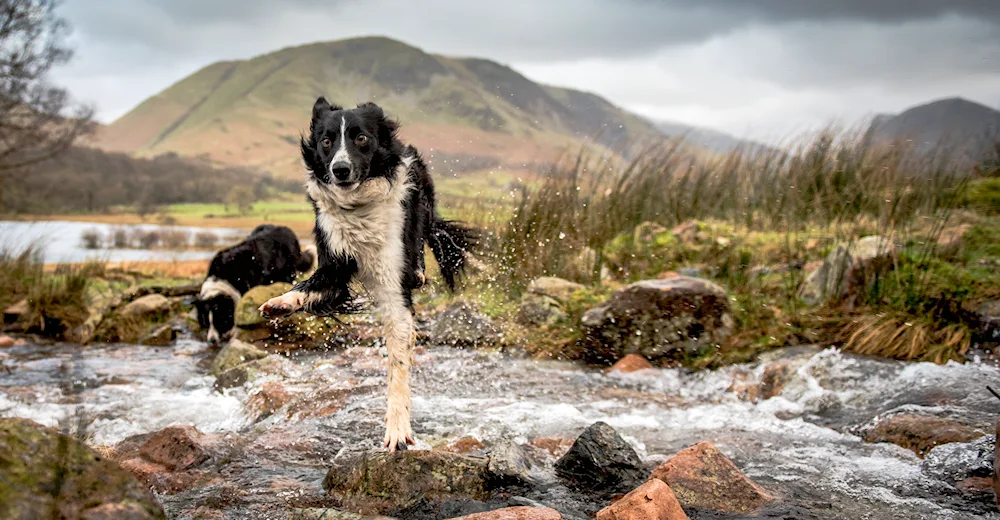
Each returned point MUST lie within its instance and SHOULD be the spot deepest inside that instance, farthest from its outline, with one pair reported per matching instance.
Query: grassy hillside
(252, 112)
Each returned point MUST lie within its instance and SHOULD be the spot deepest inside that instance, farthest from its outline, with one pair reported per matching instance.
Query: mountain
(960, 126)
(464, 112)
(706, 138)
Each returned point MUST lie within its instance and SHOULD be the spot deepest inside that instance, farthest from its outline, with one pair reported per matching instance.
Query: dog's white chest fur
(366, 224)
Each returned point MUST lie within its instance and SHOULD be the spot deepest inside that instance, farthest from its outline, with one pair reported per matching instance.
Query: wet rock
(6, 341)
(515, 513)
(331, 514)
(539, 310)
(661, 320)
(630, 363)
(989, 322)
(45, 474)
(653, 500)
(158, 478)
(319, 403)
(975, 485)
(231, 378)
(464, 445)
(921, 433)
(247, 310)
(957, 461)
(508, 464)
(461, 324)
(175, 447)
(100, 304)
(556, 288)
(116, 512)
(555, 446)
(383, 482)
(774, 379)
(235, 353)
(147, 306)
(160, 337)
(849, 271)
(996, 464)
(269, 398)
(600, 460)
(703, 478)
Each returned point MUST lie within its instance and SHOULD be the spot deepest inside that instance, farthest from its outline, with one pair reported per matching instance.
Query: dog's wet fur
(375, 209)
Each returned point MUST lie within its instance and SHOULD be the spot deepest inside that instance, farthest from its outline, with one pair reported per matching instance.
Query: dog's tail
(307, 259)
(451, 242)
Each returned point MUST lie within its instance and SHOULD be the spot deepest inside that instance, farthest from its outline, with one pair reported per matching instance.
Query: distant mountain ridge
(709, 139)
(251, 112)
(966, 128)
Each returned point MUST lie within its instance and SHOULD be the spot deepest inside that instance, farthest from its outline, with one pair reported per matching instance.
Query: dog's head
(347, 147)
(216, 315)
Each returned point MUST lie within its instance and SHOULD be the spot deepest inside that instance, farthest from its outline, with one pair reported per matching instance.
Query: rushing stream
(801, 445)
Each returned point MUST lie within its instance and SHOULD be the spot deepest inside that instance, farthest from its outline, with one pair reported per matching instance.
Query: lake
(62, 241)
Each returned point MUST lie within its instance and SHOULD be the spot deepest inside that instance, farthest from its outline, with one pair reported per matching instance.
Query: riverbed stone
(382, 482)
(630, 363)
(233, 354)
(539, 310)
(269, 398)
(45, 474)
(461, 324)
(958, 461)
(653, 500)
(702, 477)
(160, 337)
(515, 513)
(660, 320)
(556, 288)
(508, 464)
(175, 447)
(6, 341)
(247, 310)
(849, 271)
(147, 306)
(921, 433)
(465, 445)
(600, 460)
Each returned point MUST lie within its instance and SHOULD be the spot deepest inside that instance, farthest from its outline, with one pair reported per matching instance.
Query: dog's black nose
(341, 170)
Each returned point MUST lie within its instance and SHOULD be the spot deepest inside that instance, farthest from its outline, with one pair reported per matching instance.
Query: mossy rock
(233, 354)
(384, 482)
(45, 474)
(247, 313)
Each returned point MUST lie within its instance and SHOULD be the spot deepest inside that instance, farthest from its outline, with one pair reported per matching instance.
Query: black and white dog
(268, 255)
(374, 204)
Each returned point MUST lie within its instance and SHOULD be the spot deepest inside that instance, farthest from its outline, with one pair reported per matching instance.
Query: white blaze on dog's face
(347, 152)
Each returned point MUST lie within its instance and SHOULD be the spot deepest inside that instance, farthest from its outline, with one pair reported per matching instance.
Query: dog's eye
(326, 142)
(361, 139)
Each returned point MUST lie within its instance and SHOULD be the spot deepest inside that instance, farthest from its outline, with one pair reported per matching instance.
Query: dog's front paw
(397, 435)
(282, 305)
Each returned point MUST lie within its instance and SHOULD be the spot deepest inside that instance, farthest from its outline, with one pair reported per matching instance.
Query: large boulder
(921, 433)
(653, 500)
(384, 482)
(233, 354)
(849, 271)
(45, 474)
(247, 310)
(660, 320)
(461, 324)
(703, 478)
(147, 306)
(600, 460)
(175, 447)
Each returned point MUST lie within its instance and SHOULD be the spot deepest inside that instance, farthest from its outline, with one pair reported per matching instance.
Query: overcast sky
(762, 68)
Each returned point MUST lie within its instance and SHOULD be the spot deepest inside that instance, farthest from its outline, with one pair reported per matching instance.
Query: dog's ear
(322, 105)
(386, 127)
